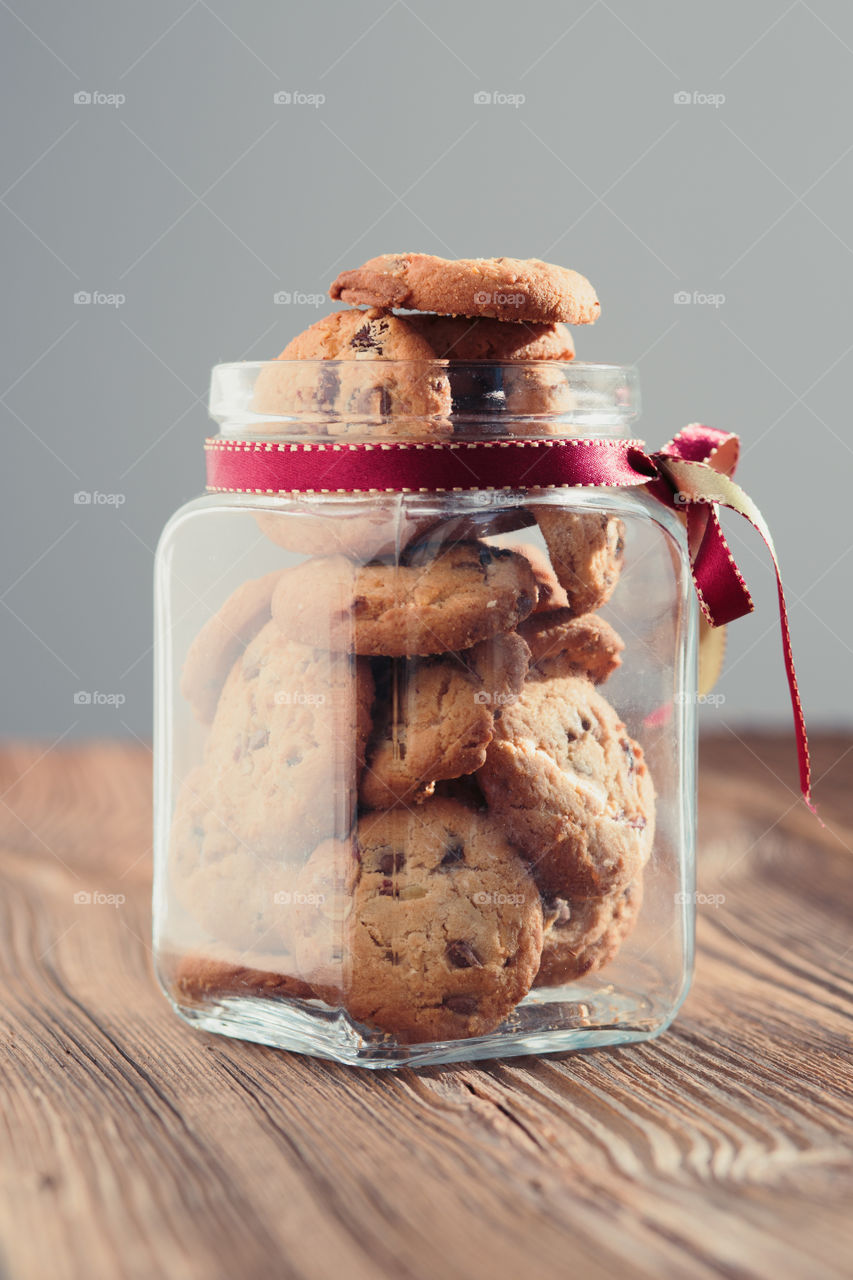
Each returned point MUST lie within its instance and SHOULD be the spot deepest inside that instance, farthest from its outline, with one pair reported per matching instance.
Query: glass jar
(425, 754)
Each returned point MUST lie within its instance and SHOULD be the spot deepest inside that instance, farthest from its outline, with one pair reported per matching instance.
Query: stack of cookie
(414, 803)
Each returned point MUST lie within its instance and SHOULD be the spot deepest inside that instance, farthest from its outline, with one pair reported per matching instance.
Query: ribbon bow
(692, 474)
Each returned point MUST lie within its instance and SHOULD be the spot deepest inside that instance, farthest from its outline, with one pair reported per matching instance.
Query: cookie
(562, 645)
(444, 598)
(587, 549)
(283, 750)
(514, 289)
(324, 893)
(235, 895)
(205, 977)
(550, 594)
(462, 338)
(433, 718)
(571, 788)
(381, 375)
(221, 641)
(585, 935)
(445, 934)
(540, 391)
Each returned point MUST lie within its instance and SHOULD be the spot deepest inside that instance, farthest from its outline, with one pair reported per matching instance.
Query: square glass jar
(424, 757)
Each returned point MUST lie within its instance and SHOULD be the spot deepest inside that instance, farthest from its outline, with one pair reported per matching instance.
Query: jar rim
(488, 397)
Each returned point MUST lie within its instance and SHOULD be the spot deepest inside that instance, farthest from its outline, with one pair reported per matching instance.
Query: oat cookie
(584, 935)
(433, 718)
(445, 935)
(443, 598)
(382, 377)
(463, 338)
(221, 641)
(562, 645)
(571, 788)
(587, 549)
(514, 289)
(282, 752)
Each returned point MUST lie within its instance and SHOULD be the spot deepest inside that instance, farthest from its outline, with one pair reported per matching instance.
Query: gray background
(198, 198)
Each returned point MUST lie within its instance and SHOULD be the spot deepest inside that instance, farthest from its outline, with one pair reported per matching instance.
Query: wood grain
(133, 1146)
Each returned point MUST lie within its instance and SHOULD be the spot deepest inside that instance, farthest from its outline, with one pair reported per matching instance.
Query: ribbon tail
(697, 485)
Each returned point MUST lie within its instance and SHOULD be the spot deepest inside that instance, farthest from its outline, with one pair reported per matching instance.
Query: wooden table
(135, 1147)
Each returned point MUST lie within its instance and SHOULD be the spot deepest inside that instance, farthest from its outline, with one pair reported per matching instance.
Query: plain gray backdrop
(147, 163)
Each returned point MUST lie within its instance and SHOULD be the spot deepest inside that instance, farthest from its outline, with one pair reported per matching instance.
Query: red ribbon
(692, 475)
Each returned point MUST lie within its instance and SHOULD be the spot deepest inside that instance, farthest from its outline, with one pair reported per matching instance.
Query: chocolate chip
(571, 736)
(392, 861)
(486, 555)
(628, 748)
(258, 739)
(250, 673)
(293, 760)
(460, 1004)
(524, 603)
(385, 402)
(461, 955)
(586, 724)
(365, 340)
(454, 855)
(387, 889)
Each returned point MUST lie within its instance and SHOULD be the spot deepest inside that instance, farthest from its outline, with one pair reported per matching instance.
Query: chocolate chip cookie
(587, 549)
(584, 935)
(444, 598)
(462, 338)
(513, 289)
(445, 935)
(214, 974)
(571, 788)
(433, 718)
(285, 746)
(562, 645)
(382, 378)
(221, 641)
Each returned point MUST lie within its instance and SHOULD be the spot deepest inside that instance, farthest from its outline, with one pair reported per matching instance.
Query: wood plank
(134, 1146)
